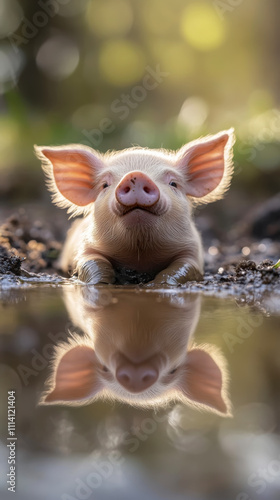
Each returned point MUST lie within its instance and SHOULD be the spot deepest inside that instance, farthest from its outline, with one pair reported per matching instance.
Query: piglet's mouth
(122, 210)
(127, 210)
(156, 209)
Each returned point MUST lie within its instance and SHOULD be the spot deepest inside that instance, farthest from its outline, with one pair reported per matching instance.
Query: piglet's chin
(138, 217)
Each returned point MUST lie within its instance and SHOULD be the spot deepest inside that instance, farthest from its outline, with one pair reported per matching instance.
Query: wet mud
(27, 244)
(29, 251)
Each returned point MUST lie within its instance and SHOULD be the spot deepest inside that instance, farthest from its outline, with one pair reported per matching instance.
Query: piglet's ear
(203, 382)
(75, 378)
(71, 172)
(207, 166)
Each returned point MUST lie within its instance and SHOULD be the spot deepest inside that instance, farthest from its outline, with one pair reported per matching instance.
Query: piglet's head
(79, 378)
(137, 349)
(78, 175)
(140, 198)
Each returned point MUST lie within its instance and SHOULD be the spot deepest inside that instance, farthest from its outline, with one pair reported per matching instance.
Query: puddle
(132, 393)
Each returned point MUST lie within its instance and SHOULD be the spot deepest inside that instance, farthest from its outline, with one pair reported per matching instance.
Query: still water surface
(123, 393)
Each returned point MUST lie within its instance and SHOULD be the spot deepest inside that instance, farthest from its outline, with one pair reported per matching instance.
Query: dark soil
(129, 277)
(245, 267)
(28, 245)
(9, 263)
(245, 279)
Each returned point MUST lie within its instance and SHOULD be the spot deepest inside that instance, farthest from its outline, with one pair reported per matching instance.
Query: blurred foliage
(156, 73)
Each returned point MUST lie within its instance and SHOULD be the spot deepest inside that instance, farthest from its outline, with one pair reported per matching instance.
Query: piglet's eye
(173, 184)
(105, 185)
(173, 371)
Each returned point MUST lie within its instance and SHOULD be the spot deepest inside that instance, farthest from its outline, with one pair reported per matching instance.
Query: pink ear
(74, 171)
(76, 378)
(202, 381)
(206, 162)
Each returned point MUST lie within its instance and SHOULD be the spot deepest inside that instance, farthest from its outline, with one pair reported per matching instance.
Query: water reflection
(137, 348)
(126, 452)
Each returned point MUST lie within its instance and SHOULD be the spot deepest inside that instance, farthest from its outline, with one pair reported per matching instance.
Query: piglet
(137, 207)
(136, 348)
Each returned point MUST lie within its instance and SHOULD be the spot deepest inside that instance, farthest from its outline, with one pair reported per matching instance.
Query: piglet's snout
(136, 378)
(137, 189)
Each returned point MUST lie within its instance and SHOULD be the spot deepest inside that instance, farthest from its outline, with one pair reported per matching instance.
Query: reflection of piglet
(137, 204)
(137, 348)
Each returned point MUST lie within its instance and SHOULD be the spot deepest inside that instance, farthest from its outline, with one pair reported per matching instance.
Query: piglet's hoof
(95, 272)
(174, 276)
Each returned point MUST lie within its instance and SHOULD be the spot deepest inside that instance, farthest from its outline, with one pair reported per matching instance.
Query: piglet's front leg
(177, 273)
(95, 270)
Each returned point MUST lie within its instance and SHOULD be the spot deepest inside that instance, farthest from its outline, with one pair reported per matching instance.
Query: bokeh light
(10, 134)
(109, 17)
(211, 72)
(71, 9)
(176, 58)
(202, 27)
(58, 57)
(11, 15)
(11, 64)
(121, 62)
(140, 133)
(193, 113)
(158, 17)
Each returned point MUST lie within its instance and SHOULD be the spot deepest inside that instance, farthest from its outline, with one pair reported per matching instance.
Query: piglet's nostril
(127, 189)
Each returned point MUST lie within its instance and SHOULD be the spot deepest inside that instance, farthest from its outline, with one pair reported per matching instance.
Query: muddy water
(208, 430)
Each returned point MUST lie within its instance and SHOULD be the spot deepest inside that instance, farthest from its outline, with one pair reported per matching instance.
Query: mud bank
(29, 253)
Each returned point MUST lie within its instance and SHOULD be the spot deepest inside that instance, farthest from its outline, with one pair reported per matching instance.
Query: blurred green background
(156, 73)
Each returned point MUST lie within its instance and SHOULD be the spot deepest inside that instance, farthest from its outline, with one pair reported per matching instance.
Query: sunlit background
(156, 73)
